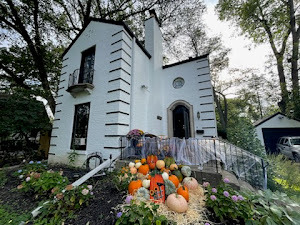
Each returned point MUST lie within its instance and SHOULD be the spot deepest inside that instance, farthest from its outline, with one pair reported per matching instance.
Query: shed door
(272, 135)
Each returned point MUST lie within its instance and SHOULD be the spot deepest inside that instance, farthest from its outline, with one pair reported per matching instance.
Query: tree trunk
(284, 93)
(222, 113)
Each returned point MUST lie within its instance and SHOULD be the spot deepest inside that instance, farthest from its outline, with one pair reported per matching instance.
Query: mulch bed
(99, 211)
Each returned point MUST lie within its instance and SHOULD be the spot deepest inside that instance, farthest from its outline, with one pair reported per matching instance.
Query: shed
(271, 128)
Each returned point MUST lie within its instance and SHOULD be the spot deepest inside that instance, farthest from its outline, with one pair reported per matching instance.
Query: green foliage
(8, 216)
(42, 184)
(244, 136)
(120, 180)
(142, 214)
(273, 208)
(285, 173)
(64, 205)
(228, 204)
(3, 178)
(72, 157)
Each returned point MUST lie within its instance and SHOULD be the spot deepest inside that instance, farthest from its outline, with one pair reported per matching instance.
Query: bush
(227, 204)
(3, 178)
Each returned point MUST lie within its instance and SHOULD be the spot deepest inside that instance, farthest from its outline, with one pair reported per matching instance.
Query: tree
(269, 21)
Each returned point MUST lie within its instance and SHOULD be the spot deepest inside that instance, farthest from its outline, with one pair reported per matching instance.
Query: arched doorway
(180, 120)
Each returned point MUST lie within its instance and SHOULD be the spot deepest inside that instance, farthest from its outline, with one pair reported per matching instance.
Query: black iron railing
(81, 77)
(201, 152)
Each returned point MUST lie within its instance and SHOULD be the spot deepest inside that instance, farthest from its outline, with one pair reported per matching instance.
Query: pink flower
(214, 190)
(241, 198)
(85, 191)
(226, 180)
(207, 224)
(90, 187)
(206, 184)
(213, 197)
(128, 199)
(27, 179)
(234, 198)
(226, 194)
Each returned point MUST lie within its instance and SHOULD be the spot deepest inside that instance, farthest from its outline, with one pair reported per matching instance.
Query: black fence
(205, 153)
(78, 77)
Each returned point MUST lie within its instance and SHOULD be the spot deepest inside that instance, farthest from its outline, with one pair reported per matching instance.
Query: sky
(244, 53)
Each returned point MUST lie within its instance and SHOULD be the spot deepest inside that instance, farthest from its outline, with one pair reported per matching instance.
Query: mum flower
(206, 184)
(85, 191)
(31, 162)
(90, 187)
(19, 171)
(226, 180)
(241, 198)
(234, 198)
(214, 190)
(207, 224)
(27, 179)
(213, 197)
(128, 199)
(226, 194)
(119, 214)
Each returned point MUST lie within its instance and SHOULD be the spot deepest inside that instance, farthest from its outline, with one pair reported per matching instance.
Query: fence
(200, 152)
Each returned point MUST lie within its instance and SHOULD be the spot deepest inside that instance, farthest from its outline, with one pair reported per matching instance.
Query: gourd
(177, 203)
(133, 170)
(178, 175)
(160, 164)
(143, 194)
(190, 182)
(165, 176)
(146, 183)
(131, 164)
(184, 191)
(151, 160)
(134, 185)
(174, 179)
(173, 167)
(165, 170)
(138, 164)
(169, 161)
(186, 171)
(169, 187)
(144, 169)
(143, 160)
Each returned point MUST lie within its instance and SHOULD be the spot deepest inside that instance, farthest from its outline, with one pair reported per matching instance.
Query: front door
(181, 122)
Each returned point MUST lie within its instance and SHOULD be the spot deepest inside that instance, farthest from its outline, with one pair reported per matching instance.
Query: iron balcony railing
(203, 153)
(80, 77)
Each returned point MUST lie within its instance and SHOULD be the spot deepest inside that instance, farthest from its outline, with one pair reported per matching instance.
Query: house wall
(278, 121)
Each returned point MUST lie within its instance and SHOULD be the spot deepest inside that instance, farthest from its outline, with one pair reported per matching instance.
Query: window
(178, 82)
(286, 141)
(80, 126)
(87, 66)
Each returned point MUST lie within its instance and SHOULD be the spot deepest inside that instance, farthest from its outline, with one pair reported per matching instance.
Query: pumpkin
(160, 164)
(134, 185)
(165, 176)
(140, 176)
(137, 160)
(149, 177)
(169, 187)
(131, 164)
(173, 167)
(186, 171)
(143, 160)
(184, 191)
(174, 179)
(177, 203)
(151, 160)
(168, 161)
(138, 164)
(190, 182)
(157, 188)
(146, 183)
(144, 169)
(142, 194)
(165, 170)
(178, 175)
(133, 170)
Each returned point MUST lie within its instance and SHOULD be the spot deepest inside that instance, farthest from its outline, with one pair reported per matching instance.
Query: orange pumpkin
(174, 179)
(134, 186)
(184, 191)
(149, 177)
(143, 160)
(144, 169)
(151, 160)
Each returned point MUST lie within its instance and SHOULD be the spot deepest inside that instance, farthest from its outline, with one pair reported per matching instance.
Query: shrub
(3, 178)
(226, 203)
(141, 214)
(122, 178)
(32, 166)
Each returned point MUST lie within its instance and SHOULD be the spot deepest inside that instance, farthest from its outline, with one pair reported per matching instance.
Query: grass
(8, 216)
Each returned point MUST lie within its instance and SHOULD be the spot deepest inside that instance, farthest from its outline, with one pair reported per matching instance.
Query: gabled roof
(109, 22)
(261, 121)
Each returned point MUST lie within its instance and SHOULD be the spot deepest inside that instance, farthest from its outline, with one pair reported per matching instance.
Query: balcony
(81, 82)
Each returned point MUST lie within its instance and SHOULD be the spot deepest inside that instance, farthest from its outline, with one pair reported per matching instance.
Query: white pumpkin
(190, 182)
(138, 164)
(131, 164)
(165, 176)
(177, 203)
(146, 183)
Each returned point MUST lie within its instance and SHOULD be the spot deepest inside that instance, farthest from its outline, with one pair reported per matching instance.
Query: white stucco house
(110, 84)
(271, 128)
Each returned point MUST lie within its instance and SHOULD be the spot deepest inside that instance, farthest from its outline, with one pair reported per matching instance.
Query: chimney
(153, 38)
